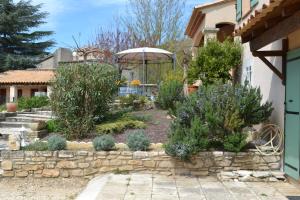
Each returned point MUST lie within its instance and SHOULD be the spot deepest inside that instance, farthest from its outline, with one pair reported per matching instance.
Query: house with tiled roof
(211, 20)
(24, 83)
(270, 33)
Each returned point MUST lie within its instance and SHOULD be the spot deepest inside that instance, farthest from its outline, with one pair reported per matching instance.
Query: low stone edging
(91, 163)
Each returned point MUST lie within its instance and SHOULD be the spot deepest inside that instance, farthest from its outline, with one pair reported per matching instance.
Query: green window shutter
(253, 3)
(238, 10)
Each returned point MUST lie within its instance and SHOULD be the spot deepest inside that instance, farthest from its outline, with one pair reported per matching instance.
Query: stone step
(47, 113)
(33, 126)
(25, 119)
(35, 116)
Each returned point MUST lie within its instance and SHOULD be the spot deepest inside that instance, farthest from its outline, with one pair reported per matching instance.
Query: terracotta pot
(192, 89)
(11, 107)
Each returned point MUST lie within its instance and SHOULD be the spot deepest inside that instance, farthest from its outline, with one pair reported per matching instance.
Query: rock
(261, 174)
(140, 155)
(50, 173)
(83, 165)
(65, 154)
(229, 174)
(32, 167)
(278, 175)
(166, 164)
(8, 173)
(90, 171)
(246, 178)
(244, 173)
(6, 165)
(149, 163)
(66, 165)
(21, 173)
(14, 143)
(273, 179)
(76, 172)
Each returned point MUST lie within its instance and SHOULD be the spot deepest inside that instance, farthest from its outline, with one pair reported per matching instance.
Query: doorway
(292, 117)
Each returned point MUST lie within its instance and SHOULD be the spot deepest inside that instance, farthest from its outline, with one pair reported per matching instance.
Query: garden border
(87, 163)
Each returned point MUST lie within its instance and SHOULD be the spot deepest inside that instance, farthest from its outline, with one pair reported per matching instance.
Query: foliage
(155, 22)
(214, 62)
(21, 44)
(82, 94)
(2, 107)
(220, 111)
(104, 143)
(56, 143)
(235, 142)
(170, 93)
(36, 146)
(173, 75)
(53, 126)
(138, 141)
(119, 126)
(33, 102)
(133, 100)
(186, 141)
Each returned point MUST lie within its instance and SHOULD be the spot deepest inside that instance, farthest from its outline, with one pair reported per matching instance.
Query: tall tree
(155, 22)
(20, 42)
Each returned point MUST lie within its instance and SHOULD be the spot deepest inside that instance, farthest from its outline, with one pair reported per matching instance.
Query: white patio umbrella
(144, 55)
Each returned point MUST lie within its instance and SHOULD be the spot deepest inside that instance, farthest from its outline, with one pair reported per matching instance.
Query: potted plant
(192, 88)
(11, 106)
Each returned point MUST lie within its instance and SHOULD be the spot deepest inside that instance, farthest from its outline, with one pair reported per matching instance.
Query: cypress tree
(21, 44)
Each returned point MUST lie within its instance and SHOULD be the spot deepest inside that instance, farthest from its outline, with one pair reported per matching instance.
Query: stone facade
(90, 163)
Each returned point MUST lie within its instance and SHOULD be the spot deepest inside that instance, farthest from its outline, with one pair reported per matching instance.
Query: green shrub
(53, 126)
(104, 143)
(138, 141)
(36, 146)
(170, 93)
(119, 126)
(133, 101)
(187, 141)
(235, 142)
(56, 143)
(2, 107)
(220, 111)
(33, 102)
(81, 96)
(214, 62)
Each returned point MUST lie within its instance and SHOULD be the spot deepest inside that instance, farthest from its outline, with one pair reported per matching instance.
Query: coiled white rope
(270, 140)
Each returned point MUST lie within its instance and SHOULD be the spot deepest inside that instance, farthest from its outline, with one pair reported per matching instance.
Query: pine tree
(20, 43)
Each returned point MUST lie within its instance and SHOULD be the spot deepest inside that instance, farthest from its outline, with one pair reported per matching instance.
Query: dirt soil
(40, 189)
(157, 127)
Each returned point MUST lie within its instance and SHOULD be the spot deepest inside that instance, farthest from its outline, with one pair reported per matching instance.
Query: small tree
(81, 95)
(214, 62)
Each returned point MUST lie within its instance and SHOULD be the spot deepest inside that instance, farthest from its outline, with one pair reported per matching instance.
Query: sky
(81, 18)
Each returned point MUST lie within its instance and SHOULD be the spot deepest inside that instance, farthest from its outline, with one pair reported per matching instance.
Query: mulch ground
(157, 127)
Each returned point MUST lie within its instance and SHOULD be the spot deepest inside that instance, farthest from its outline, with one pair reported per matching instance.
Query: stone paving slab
(160, 187)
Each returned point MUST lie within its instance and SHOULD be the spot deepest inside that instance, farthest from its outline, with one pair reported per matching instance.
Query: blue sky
(81, 18)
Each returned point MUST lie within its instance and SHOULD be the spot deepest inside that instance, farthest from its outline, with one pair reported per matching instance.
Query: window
(249, 74)
(253, 3)
(33, 91)
(243, 7)
(238, 10)
(20, 93)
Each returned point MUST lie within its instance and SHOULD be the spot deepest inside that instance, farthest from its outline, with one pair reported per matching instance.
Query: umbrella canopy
(145, 54)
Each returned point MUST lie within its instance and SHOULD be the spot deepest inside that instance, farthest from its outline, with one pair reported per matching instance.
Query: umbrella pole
(144, 63)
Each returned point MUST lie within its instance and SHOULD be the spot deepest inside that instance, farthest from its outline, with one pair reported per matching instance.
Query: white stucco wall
(269, 83)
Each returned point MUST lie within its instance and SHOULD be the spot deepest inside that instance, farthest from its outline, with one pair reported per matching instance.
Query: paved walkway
(159, 187)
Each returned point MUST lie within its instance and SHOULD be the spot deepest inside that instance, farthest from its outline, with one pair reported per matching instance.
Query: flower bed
(87, 163)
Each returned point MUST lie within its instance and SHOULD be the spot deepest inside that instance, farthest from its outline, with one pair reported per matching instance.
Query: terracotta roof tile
(26, 77)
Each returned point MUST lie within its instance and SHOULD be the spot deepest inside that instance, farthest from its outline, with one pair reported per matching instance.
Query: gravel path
(157, 127)
(40, 189)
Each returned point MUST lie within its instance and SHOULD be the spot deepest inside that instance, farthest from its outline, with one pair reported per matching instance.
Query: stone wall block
(21, 174)
(8, 173)
(66, 164)
(33, 167)
(6, 165)
(76, 172)
(166, 164)
(65, 154)
(50, 173)
(83, 165)
(44, 153)
(39, 159)
(140, 155)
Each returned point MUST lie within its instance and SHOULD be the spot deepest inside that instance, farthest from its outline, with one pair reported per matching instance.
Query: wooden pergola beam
(282, 53)
(282, 29)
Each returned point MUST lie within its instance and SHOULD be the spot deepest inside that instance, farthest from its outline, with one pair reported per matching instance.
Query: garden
(218, 116)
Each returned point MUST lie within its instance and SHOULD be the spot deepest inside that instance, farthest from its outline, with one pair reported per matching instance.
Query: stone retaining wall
(90, 163)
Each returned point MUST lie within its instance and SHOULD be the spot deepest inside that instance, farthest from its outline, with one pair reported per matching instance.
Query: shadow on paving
(293, 198)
